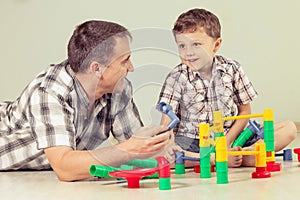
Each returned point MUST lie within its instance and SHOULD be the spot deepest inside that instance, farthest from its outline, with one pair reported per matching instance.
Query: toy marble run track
(264, 151)
(133, 171)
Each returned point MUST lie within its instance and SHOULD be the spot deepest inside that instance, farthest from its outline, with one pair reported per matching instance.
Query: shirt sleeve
(125, 113)
(244, 91)
(51, 120)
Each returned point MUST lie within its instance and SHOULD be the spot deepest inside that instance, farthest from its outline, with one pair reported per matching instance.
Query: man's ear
(96, 68)
(217, 46)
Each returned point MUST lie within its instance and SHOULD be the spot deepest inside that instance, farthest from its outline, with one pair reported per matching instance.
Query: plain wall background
(262, 35)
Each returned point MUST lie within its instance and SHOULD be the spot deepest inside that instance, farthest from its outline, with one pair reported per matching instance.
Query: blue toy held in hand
(167, 109)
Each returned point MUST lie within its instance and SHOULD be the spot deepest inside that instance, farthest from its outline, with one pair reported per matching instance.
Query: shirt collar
(217, 66)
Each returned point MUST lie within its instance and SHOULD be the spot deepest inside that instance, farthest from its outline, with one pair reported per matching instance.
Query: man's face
(113, 75)
(196, 49)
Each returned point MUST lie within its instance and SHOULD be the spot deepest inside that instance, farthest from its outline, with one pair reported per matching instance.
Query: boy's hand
(235, 161)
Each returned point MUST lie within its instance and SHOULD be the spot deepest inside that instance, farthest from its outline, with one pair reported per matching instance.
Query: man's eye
(181, 46)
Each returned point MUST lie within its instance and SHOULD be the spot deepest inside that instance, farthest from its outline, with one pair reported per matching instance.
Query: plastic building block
(260, 162)
(197, 168)
(164, 173)
(103, 171)
(133, 176)
(297, 151)
(261, 172)
(180, 158)
(143, 163)
(272, 166)
(287, 155)
(253, 128)
(222, 172)
(179, 163)
(256, 128)
(243, 137)
(269, 135)
(167, 109)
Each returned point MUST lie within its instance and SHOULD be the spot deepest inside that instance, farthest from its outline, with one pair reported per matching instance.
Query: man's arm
(70, 165)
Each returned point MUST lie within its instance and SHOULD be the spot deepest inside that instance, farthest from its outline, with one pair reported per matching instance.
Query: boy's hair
(93, 41)
(194, 19)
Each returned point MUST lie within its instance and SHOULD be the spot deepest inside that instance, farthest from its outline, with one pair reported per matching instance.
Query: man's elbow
(65, 176)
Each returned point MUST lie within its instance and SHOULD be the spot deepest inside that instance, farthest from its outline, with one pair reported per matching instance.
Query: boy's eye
(196, 44)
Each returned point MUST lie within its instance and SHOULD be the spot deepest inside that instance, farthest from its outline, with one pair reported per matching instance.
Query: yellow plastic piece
(260, 159)
(236, 153)
(268, 115)
(204, 135)
(243, 117)
(221, 149)
(270, 156)
(218, 122)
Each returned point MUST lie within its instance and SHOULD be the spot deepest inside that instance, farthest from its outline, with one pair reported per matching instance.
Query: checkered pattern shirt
(194, 99)
(53, 111)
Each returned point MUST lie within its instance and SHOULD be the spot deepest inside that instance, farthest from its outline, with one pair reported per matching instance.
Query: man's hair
(195, 19)
(93, 41)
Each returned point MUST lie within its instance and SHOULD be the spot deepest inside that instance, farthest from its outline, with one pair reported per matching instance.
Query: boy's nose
(189, 51)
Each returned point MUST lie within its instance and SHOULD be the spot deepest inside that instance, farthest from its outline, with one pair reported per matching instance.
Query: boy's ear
(218, 43)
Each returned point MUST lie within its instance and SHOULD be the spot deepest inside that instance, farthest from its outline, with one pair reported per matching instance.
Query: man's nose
(130, 67)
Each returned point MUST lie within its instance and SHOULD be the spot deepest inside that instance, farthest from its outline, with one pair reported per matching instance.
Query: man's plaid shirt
(53, 111)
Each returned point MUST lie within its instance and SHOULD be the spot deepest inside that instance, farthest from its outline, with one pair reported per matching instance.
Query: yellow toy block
(221, 149)
(218, 122)
(268, 115)
(260, 159)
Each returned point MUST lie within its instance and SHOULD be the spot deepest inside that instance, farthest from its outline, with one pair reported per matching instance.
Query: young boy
(204, 82)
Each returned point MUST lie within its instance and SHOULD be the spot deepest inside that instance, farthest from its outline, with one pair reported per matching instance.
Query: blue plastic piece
(287, 155)
(255, 128)
(167, 109)
(180, 158)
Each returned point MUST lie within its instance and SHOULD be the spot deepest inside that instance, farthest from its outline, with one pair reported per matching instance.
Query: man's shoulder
(57, 79)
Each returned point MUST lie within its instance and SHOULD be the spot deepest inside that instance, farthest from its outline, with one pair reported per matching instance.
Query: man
(69, 109)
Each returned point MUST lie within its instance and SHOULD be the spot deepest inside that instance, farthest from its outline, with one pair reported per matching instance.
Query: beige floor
(44, 185)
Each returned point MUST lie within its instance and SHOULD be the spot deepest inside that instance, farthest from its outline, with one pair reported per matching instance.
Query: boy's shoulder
(225, 61)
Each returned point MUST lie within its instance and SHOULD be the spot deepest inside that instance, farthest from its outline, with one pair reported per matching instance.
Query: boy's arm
(239, 125)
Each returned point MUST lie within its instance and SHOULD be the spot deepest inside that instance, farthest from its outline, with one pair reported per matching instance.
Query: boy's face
(197, 49)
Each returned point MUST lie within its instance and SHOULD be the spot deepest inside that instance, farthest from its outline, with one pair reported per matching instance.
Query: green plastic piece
(125, 167)
(269, 135)
(216, 135)
(222, 172)
(164, 183)
(243, 137)
(103, 171)
(179, 169)
(143, 163)
(205, 162)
